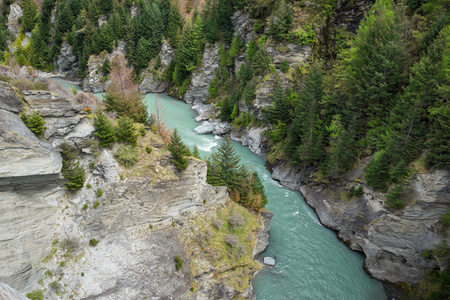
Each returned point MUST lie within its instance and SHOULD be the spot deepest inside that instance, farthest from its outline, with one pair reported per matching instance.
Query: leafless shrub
(89, 100)
(241, 250)
(55, 87)
(217, 223)
(208, 235)
(236, 220)
(232, 240)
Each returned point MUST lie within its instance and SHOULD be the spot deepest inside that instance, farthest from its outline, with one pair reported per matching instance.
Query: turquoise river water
(311, 263)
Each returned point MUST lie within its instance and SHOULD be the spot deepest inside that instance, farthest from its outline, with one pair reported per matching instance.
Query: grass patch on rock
(222, 242)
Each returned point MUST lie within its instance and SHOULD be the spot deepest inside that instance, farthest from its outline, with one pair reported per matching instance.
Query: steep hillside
(348, 101)
(124, 232)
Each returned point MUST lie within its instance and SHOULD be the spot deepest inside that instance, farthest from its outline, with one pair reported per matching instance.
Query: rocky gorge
(393, 241)
(118, 236)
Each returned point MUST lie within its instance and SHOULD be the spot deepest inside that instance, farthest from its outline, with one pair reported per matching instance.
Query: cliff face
(392, 241)
(119, 243)
(202, 76)
(97, 82)
(30, 188)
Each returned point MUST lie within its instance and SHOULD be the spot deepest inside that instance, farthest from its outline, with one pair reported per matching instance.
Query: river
(311, 263)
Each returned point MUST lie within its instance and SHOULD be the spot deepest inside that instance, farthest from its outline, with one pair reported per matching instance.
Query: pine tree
(195, 152)
(179, 151)
(104, 130)
(209, 15)
(377, 171)
(305, 135)
(228, 161)
(260, 62)
(281, 22)
(279, 111)
(375, 70)
(438, 138)
(214, 174)
(72, 170)
(341, 154)
(126, 132)
(259, 200)
(30, 14)
(174, 26)
(251, 50)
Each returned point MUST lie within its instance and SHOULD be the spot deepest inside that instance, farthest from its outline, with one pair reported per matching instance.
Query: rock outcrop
(392, 241)
(64, 119)
(8, 293)
(15, 12)
(152, 79)
(67, 62)
(30, 188)
(95, 80)
(243, 25)
(117, 237)
(202, 76)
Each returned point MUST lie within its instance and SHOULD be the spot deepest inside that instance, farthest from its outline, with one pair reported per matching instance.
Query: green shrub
(36, 295)
(148, 149)
(394, 196)
(85, 207)
(88, 185)
(127, 155)
(54, 285)
(142, 131)
(446, 219)
(62, 264)
(126, 132)
(93, 242)
(35, 122)
(96, 204)
(150, 226)
(427, 254)
(284, 66)
(71, 169)
(99, 192)
(178, 263)
(213, 88)
(258, 26)
(104, 130)
(359, 191)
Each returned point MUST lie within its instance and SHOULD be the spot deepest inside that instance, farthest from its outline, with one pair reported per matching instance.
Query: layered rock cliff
(118, 236)
(393, 241)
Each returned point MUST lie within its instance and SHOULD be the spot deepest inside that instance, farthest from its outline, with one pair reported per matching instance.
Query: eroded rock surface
(30, 187)
(95, 80)
(117, 237)
(152, 79)
(67, 62)
(202, 76)
(63, 118)
(392, 241)
(15, 12)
